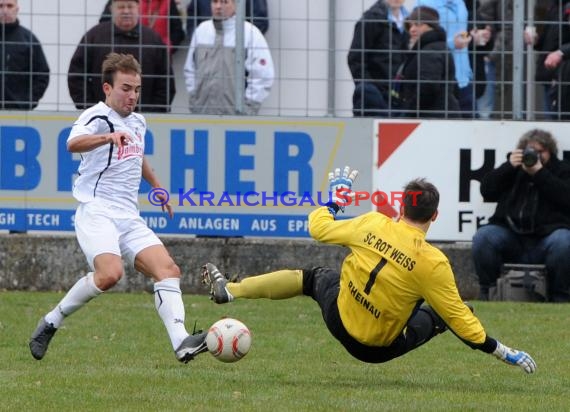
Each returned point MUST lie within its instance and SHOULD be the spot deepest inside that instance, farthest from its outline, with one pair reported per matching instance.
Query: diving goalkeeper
(394, 292)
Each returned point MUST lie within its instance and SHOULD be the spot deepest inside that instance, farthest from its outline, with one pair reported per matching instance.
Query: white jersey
(108, 174)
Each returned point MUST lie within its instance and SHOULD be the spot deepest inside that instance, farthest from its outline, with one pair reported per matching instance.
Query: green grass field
(114, 355)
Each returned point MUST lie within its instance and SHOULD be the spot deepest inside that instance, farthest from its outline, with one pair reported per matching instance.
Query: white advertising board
(453, 155)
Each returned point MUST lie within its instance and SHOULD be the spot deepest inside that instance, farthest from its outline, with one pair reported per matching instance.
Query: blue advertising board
(224, 176)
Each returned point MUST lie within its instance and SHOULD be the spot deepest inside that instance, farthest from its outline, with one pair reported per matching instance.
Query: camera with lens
(530, 157)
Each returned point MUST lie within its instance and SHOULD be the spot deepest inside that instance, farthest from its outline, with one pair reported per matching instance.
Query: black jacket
(376, 50)
(428, 78)
(552, 34)
(24, 71)
(175, 31)
(535, 205)
(84, 75)
(477, 53)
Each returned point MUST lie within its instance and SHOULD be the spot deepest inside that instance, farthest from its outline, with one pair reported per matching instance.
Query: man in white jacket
(209, 68)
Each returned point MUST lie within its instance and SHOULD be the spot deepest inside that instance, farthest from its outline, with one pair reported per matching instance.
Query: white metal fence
(310, 56)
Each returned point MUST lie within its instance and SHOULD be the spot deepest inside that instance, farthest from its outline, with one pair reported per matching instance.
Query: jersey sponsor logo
(132, 150)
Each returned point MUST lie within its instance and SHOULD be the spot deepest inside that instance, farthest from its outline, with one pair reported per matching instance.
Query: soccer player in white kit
(110, 138)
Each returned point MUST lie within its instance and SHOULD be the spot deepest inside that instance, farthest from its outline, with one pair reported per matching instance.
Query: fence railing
(309, 43)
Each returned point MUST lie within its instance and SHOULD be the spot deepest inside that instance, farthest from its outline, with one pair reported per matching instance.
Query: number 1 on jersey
(373, 275)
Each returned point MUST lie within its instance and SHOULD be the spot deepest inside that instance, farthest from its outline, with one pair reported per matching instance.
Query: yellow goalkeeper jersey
(389, 269)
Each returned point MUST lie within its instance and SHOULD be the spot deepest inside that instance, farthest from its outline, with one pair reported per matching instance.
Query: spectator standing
(560, 59)
(375, 55)
(483, 70)
(256, 12)
(499, 14)
(453, 18)
(531, 223)
(162, 16)
(24, 69)
(427, 73)
(126, 35)
(209, 68)
(552, 34)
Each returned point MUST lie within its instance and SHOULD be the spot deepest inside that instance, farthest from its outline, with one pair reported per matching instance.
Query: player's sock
(168, 302)
(82, 292)
(282, 284)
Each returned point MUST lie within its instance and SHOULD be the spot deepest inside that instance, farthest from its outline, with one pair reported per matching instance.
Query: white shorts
(98, 232)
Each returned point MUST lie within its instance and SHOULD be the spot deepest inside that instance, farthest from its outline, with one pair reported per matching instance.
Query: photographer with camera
(531, 223)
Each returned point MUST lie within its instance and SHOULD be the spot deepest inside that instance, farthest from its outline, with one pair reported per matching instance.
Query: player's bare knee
(173, 270)
(107, 278)
(169, 271)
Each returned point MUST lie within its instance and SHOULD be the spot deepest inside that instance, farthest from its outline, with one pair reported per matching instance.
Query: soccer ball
(228, 340)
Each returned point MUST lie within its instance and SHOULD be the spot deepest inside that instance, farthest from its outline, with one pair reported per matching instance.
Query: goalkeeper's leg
(281, 284)
(421, 327)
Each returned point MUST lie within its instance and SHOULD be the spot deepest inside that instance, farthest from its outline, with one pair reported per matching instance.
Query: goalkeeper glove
(515, 357)
(341, 187)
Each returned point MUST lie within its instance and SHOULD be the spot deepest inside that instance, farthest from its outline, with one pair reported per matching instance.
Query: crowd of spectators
(392, 70)
(152, 31)
(479, 36)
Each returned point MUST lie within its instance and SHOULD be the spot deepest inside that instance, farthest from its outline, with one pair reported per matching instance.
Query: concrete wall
(34, 262)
